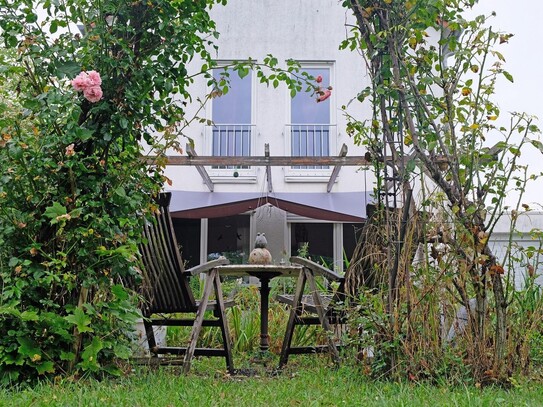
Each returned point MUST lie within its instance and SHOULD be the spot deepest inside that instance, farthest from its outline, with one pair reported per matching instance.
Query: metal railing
(310, 140)
(231, 140)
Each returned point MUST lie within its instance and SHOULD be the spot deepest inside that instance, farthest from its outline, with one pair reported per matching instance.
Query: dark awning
(333, 206)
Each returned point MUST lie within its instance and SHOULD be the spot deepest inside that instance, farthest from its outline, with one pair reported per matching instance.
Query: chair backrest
(165, 283)
(330, 275)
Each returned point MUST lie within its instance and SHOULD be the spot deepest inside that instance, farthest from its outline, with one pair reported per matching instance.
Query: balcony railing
(310, 140)
(231, 140)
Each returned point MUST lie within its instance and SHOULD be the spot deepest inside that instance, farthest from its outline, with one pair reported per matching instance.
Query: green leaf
(411, 165)
(31, 17)
(17, 360)
(67, 69)
(80, 319)
(119, 292)
(68, 356)
(9, 310)
(113, 370)
(537, 144)
(54, 211)
(13, 262)
(46, 367)
(122, 351)
(84, 134)
(90, 354)
(121, 192)
(53, 28)
(243, 72)
(28, 347)
(508, 76)
(30, 316)
(123, 122)
(76, 213)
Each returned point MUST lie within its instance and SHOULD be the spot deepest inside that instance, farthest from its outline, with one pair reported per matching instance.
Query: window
(231, 115)
(311, 131)
(316, 239)
(229, 237)
(185, 231)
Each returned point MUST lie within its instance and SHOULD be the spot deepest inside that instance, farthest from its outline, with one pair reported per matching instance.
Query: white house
(292, 205)
(297, 204)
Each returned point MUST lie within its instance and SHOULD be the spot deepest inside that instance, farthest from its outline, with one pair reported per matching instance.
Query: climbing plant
(437, 136)
(87, 85)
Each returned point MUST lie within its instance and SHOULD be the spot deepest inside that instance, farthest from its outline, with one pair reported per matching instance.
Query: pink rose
(81, 81)
(93, 94)
(89, 83)
(94, 78)
(70, 150)
(318, 79)
(325, 94)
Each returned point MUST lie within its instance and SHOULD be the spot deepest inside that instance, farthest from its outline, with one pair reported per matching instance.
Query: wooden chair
(167, 292)
(313, 309)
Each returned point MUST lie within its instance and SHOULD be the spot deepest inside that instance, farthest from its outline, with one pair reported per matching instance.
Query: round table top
(260, 269)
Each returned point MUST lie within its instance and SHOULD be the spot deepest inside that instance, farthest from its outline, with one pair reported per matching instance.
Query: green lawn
(307, 382)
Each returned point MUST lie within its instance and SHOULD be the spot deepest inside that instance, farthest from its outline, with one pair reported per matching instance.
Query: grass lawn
(308, 381)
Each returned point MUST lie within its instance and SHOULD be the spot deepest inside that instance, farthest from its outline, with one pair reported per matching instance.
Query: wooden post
(197, 326)
(268, 168)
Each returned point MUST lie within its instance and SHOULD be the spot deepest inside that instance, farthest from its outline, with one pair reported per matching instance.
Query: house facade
(220, 209)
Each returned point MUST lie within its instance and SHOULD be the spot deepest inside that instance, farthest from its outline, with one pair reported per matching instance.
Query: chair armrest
(317, 268)
(205, 267)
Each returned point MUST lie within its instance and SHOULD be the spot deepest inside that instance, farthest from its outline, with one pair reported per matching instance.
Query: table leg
(264, 306)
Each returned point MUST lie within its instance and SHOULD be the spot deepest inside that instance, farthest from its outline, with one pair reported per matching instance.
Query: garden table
(264, 273)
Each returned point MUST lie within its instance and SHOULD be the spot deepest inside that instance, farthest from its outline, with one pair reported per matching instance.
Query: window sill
(228, 177)
(308, 176)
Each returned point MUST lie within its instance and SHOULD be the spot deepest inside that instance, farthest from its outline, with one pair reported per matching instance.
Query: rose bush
(88, 81)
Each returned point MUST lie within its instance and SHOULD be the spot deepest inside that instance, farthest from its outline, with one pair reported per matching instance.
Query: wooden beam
(203, 173)
(268, 168)
(278, 161)
(337, 168)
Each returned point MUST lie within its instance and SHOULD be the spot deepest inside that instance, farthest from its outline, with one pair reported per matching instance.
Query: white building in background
(295, 207)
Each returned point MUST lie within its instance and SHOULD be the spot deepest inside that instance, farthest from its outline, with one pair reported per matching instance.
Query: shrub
(73, 176)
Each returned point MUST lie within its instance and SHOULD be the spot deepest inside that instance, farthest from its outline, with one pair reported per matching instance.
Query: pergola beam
(337, 168)
(203, 173)
(279, 161)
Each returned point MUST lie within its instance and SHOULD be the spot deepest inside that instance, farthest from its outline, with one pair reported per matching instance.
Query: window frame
(231, 175)
(306, 174)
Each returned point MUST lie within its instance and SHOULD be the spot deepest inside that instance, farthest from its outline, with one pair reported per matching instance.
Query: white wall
(502, 236)
(305, 30)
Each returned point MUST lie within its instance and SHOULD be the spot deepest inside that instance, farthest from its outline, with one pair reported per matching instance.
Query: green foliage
(72, 171)
(433, 80)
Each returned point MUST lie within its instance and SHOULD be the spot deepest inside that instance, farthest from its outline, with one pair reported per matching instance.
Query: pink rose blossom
(94, 78)
(93, 94)
(318, 79)
(81, 81)
(70, 150)
(89, 83)
(325, 94)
